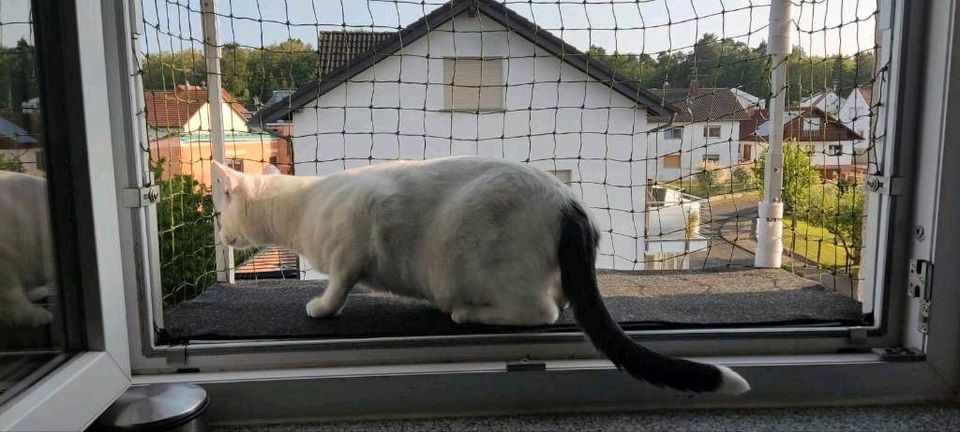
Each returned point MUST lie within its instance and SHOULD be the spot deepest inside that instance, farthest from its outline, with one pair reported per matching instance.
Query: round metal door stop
(156, 407)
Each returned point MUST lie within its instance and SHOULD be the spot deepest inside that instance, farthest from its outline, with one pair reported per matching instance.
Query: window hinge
(920, 286)
(899, 354)
(885, 185)
(140, 197)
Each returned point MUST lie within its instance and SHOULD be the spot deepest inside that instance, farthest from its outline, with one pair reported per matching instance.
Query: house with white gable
(704, 129)
(826, 139)
(474, 77)
(826, 101)
(855, 114)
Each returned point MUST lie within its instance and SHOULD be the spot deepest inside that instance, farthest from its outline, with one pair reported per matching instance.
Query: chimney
(694, 83)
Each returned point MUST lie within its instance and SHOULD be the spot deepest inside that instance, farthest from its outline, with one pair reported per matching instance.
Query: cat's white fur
(26, 254)
(474, 236)
(482, 239)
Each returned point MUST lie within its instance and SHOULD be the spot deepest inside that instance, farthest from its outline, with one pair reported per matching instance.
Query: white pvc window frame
(785, 365)
(72, 396)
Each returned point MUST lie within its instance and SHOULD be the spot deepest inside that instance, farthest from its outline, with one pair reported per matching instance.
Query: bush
(712, 174)
(839, 210)
(799, 176)
(744, 175)
(188, 258)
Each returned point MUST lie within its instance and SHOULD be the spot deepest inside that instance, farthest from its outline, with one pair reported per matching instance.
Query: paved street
(729, 224)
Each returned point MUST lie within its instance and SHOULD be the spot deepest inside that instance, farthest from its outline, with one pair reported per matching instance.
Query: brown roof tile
(336, 48)
(703, 104)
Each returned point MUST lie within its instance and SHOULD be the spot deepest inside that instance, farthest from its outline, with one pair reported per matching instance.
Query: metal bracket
(885, 185)
(920, 286)
(140, 197)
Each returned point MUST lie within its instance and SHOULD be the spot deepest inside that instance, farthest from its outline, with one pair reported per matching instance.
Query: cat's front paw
(318, 308)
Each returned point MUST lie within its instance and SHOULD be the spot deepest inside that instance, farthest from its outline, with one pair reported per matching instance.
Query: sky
(822, 27)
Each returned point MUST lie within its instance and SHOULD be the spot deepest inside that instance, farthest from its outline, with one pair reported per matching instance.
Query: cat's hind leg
(331, 302)
(41, 292)
(541, 311)
(16, 310)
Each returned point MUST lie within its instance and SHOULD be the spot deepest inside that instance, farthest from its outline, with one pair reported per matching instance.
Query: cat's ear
(229, 178)
(270, 169)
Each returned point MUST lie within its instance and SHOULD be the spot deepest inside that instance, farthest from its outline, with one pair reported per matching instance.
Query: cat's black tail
(578, 251)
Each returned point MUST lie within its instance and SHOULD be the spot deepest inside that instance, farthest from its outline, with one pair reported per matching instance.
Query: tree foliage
(799, 176)
(249, 74)
(18, 76)
(724, 62)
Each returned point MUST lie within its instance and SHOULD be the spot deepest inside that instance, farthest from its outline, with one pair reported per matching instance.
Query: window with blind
(473, 84)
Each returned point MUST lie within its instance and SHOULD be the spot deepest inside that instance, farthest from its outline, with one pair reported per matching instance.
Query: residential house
(475, 78)
(747, 100)
(178, 122)
(18, 144)
(826, 101)
(855, 114)
(829, 142)
(706, 128)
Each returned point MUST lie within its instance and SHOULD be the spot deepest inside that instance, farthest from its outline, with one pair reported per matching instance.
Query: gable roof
(13, 136)
(337, 48)
(701, 105)
(500, 13)
(837, 130)
(173, 108)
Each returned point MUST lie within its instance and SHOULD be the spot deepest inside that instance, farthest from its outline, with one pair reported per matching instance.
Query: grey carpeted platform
(275, 308)
(938, 417)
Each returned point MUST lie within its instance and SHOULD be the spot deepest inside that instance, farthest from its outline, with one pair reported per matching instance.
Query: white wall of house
(200, 121)
(830, 102)
(542, 122)
(855, 114)
(28, 157)
(829, 153)
(692, 148)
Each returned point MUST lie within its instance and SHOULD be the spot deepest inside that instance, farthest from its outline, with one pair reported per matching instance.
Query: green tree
(185, 228)
(799, 176)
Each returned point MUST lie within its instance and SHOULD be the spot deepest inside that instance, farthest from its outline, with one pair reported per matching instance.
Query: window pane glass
(31, 327)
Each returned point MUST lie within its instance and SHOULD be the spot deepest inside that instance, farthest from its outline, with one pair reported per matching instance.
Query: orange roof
(173, 108)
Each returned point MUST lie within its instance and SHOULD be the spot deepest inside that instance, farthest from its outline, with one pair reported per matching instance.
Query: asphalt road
(729, 225)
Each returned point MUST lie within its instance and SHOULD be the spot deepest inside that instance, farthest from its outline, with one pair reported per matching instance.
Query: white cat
(26, 254)
(485, 240)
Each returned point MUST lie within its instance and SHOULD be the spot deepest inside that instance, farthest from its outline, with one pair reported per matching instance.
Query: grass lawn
(816, 244)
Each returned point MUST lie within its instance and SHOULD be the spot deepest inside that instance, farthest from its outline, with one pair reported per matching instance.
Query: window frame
(449, 87)
(440, 365)
(677, 131)
(708, 131)
(96, 368)
(678, 157)
(710, 157)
